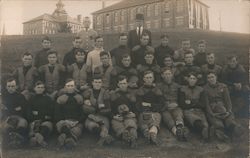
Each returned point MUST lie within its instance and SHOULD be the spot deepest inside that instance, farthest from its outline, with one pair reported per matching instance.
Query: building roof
(130, 3)
(45, 16)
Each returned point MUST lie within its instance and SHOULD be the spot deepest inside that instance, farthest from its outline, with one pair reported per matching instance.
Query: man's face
(52, 58)
(11, 87)
(192, 80)
(86, 23)
(168, 62)
(80, 57)
(212, 79)
(149, 58)
(123, 85)
(167, 75)
(144, 40)
(46, 44)
(186, 45)
(99, 43)
(202, 47)
(105, 60)
(39, 89)
(70, 87)
(123, 40)
(210, 59)
(126, 61)
(97, 84)
(164, 41)
(233, 62)
(148, 79)
(77, 43)
(27, 60)
(189, 58)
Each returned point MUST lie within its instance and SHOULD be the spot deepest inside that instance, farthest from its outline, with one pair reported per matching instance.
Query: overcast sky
(235, 14)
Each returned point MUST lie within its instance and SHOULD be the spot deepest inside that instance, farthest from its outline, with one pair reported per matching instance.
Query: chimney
(79, 18)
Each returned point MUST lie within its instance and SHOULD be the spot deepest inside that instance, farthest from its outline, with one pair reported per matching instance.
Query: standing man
(200, 57)
(87, 35)
(118, 52)
(41, 56)
(134, 36)
(69, 57)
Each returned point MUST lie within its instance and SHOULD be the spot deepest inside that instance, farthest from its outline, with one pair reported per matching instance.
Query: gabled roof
(45, 16)
(125, 4)
(130, 3)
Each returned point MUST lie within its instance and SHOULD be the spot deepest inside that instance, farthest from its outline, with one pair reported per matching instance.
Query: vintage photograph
(124, 78)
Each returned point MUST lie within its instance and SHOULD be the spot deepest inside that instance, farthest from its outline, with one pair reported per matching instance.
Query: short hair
(164, 35)
(168, 56)
(192, 73)
(150, 51)
(230, 57)
(97, 37)
(46, 38)
(185, 39)
(166, 69)
(69, 80)
(188, 52)
(202, 42)
(80, 50)
(148, 72)
(122, 34)
(102, 53)
(211, 72)
(126, 55)
(121, 77)
(11, 79)
(96, 77)
(39, 83)
(52, 52)
(144, 34)
(210, 53)
(77, 37)
(27, 53)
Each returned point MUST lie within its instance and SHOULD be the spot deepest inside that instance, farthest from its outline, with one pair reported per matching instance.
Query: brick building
(52, 23)
(158, 14)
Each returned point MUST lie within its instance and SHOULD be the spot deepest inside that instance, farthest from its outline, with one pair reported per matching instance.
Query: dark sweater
(41, 107)
(161, 52)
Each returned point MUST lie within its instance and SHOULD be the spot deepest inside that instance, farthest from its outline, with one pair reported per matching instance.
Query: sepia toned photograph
(124, 78)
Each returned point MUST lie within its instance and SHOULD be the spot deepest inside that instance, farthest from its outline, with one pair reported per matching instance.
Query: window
(99, 20)
(179, 21)
(123, 15)
(156, 24)
(107, 18)
(148, 10)
(148, 24)
(132, 13)
(139, 10)
(166, 7)
(167, 22)
(116, 16)
(156, 9)
(179, 6)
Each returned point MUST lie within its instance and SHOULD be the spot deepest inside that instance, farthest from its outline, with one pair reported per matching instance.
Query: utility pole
(220, 20)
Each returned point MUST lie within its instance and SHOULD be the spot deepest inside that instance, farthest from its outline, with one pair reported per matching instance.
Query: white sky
(235, 14)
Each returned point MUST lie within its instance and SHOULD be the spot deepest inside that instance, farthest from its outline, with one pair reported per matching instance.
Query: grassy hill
(221, 43)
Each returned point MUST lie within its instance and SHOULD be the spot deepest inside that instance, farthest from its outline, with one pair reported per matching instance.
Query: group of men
(115, 94)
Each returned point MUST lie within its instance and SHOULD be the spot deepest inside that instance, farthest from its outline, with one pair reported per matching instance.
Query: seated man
(192, 100)
(172, 114)
(97, 109)
(104, 70)
(234, 76)
(26, 75)
(219, 109)
(40, 112)
(127, 70)
(149, 64)
(124, 121)
(15, 126)
(69, 116)
(79, 70)
(149, 102)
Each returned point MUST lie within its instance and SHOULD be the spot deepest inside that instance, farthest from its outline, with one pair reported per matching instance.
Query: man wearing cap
(134, 36)
(87, 35)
